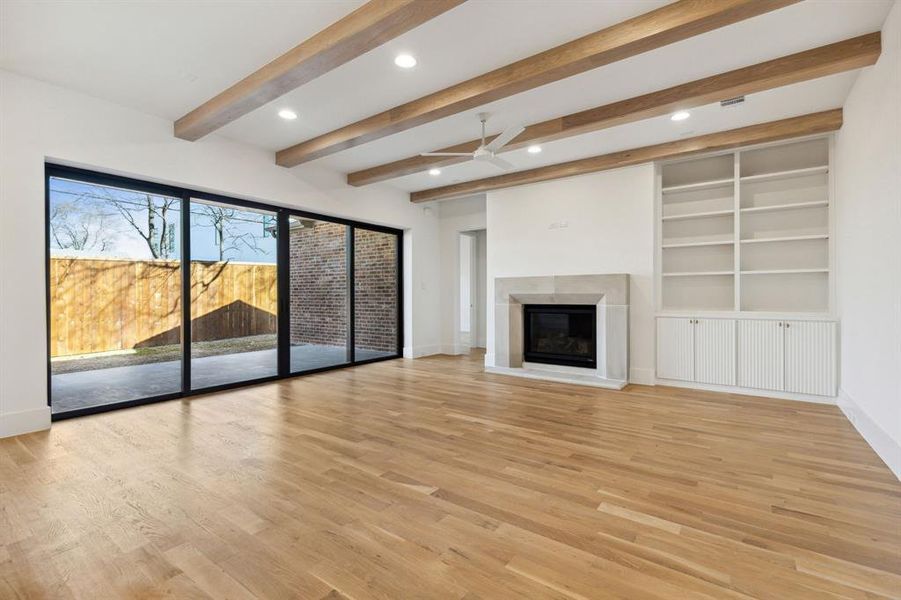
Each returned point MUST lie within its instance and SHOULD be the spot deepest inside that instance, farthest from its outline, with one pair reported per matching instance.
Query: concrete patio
(72, 391)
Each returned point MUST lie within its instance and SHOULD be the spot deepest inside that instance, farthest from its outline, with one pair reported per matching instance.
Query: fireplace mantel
(609, 293)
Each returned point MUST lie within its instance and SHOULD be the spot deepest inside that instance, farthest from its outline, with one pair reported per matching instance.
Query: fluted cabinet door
(675, 349)
(760, 353)
(715, 351)
(810, 357)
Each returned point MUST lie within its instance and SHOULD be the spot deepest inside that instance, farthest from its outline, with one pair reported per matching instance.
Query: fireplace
(560, 334)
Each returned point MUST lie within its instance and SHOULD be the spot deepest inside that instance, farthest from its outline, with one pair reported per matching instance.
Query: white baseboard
(24, 422)
(886, 448)
(420, 351)
(642, 376)
(731, 389)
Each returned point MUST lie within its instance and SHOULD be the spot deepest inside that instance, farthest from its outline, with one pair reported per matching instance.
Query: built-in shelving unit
(747, 231)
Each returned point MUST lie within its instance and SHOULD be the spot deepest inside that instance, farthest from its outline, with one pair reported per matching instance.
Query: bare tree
(229, 235)
(78, 225)
(158, 212)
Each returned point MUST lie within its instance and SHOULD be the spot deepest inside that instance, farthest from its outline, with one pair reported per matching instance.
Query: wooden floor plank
(431, 478)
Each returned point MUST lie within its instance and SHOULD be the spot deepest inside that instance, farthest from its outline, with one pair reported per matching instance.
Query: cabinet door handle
(780, 323)
(787, 325)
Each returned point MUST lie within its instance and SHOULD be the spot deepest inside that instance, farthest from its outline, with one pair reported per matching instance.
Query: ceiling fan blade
(500, 163)
(446, 154)
(504, 138)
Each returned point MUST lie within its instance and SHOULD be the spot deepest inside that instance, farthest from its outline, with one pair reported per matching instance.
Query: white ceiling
(165, 58)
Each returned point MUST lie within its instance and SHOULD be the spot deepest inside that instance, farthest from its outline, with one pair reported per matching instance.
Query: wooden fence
(104, 305)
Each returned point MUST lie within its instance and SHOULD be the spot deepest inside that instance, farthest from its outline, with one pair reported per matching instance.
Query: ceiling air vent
(732, 101)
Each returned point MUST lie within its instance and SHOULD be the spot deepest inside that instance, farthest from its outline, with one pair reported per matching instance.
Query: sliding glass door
(376, 290)
(234, 294)
(156, 292)
(319, 303)
(114, 293)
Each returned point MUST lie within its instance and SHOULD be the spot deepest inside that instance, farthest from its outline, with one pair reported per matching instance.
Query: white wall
(465, 214)
(609, 228)
(868, 249)
(40, 121)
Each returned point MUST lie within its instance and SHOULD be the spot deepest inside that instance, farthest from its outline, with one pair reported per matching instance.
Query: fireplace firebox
(560, 334)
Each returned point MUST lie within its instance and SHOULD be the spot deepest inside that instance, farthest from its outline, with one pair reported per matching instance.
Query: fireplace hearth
(560, 334)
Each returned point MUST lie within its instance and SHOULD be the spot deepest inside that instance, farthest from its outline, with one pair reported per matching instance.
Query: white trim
(731, 389)
(888, 449)
(753, 316)
(24, 422)
(642, 376)
(559, 377)
(420, 351)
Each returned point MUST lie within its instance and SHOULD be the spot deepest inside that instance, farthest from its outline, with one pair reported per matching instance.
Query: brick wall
(319, 304)
(318, 285)
(375, 303)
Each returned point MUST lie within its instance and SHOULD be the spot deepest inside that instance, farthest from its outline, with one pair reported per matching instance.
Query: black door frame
(283, 285)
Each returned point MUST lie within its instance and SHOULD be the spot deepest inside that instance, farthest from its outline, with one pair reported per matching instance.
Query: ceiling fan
(488, 152)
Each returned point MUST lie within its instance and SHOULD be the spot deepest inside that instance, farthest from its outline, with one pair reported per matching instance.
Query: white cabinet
(714, 351)
(675, 349)
(760, 354)
(700, 350)
(809, 357)
(763, 354)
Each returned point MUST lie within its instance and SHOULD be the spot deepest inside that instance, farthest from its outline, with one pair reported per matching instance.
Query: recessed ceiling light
(680, 115)
(405, 61)
(534, 149)
(287, 114)
(434, 172)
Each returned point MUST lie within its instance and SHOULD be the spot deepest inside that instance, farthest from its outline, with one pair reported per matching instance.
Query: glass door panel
(115, 294)
(319, 305)
(234, 294)
(375, 294)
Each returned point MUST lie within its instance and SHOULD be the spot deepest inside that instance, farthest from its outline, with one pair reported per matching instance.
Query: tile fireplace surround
(609, 293)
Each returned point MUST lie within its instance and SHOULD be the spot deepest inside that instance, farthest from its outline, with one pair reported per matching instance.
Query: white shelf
(790, 238)
(698, 273)
(701, 185)
(778, 207)
(785, 174)
(698, 215)
(754, 236)
(728, 242)
(784, 271)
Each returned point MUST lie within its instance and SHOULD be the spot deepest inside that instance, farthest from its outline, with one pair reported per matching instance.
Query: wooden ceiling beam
(811, 124)
(834, 58)
(671, 23)
(368, 27)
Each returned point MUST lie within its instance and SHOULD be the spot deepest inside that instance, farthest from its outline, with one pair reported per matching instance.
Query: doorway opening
(473, 285)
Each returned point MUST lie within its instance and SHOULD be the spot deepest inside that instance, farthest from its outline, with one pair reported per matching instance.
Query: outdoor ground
(143, 356)
(99, 380)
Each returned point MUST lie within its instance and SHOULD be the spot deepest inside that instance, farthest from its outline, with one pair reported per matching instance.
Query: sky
(106, 222)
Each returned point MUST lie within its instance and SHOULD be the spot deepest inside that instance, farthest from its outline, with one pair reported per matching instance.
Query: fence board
(103, 305)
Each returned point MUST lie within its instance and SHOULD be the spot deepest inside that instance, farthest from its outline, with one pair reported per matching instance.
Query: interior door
(675, 348)
(760, 354)
(810, 357)
(715, 351)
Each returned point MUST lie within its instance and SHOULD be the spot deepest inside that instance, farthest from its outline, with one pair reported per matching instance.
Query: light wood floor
(430, 479)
